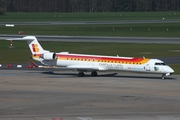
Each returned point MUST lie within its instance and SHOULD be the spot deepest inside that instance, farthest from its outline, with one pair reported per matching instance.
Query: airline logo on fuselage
(35, 47)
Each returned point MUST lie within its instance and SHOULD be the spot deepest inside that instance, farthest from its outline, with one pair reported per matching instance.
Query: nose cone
(170, 70)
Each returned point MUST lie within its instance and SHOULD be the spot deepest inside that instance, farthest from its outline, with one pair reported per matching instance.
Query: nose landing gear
(163, 76)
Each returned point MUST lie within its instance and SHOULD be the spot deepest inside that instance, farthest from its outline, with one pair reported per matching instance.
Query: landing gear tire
(80, 74)
(163, 77)
(94, 73)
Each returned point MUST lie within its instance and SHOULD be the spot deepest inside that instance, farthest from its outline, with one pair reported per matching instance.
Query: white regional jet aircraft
(94, 63)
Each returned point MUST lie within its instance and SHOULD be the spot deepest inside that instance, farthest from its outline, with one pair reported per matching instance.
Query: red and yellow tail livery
(35, 48)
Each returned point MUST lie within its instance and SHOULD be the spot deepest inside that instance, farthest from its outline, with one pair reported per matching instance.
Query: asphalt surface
(157, 40)
(47, 95)
(171, 60)
(93, 22)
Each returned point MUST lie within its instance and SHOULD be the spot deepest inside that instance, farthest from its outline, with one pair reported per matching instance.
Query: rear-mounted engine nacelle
(49, 56)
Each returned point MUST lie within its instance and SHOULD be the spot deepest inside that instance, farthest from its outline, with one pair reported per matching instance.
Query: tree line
(88, 5)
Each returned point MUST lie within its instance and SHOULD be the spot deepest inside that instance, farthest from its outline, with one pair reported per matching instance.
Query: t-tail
(36, 49)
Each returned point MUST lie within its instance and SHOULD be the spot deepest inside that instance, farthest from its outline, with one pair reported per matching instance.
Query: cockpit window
(160, 64)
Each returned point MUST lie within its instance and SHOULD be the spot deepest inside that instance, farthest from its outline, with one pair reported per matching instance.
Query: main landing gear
(81, 73)
(93, 73)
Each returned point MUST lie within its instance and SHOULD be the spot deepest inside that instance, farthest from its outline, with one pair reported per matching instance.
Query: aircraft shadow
(109, 75)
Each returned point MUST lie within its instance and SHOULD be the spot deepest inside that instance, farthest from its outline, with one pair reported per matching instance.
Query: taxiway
(93, 22)
(147, 40)
(61, 95)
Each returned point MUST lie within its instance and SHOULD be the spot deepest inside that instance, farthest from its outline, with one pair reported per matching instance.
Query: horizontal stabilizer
(23, 39)
(34, 45)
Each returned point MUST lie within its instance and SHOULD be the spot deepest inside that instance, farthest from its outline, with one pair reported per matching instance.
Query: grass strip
(134, 30)
(97, 16)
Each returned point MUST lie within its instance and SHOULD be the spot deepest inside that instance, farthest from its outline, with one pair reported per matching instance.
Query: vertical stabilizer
(36, 49)
(34, 45)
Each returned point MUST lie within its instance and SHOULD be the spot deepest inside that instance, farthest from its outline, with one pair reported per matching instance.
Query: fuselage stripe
(99, 59)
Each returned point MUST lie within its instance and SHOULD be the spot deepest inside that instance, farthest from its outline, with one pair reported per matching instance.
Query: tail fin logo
(35, 47)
